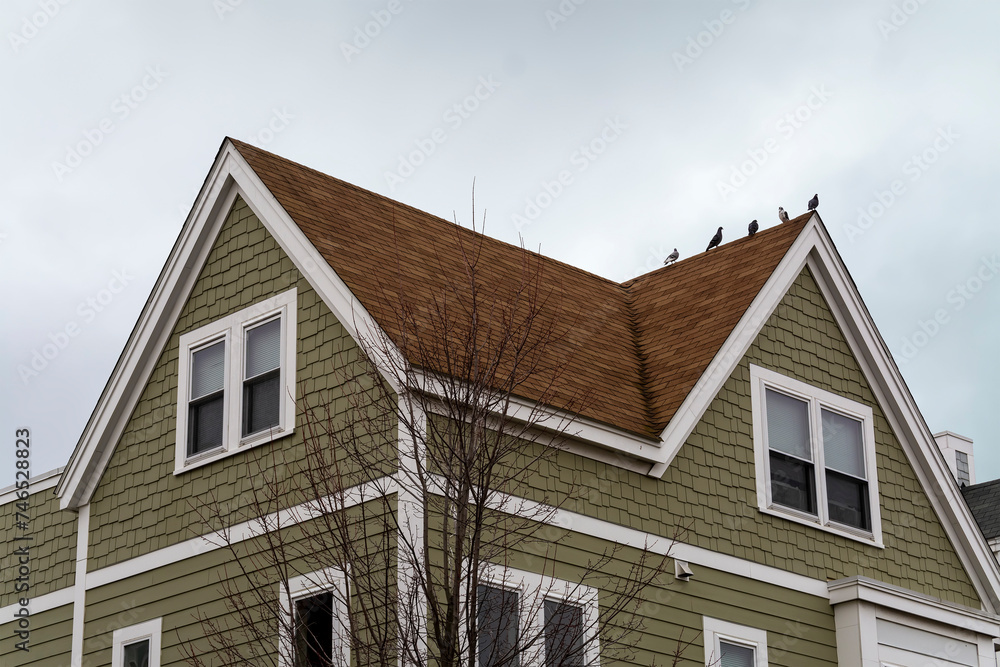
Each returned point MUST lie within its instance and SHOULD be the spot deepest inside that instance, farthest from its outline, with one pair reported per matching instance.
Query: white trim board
(46, 480)
(41, 604)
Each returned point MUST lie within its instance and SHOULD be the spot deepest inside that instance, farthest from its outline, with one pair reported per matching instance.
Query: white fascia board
(573, 428)
(230, 176)
(46, 480)
(735, 347)
(910, 602)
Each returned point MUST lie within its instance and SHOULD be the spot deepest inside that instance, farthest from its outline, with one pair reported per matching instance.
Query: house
(743, 395)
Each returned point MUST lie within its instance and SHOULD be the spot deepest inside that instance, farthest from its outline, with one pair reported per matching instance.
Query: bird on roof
(814, 203)
(716, 240)
(782, 214)
(672, 257)
(752, 227)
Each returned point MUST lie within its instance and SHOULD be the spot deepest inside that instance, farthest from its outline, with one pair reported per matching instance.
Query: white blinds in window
(788, 425)
(263, 348)
(208, 368)
(843, 447)
(734, 655)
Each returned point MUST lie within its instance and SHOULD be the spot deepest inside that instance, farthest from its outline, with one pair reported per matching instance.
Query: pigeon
(782, 214)
(716, 240)
(814, 203)
(672, 257)
(752, 228)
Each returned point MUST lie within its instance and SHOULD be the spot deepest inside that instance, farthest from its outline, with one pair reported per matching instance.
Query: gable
(713, 476)
(139, 505)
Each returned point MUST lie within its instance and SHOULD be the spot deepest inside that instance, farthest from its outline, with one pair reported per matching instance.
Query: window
(962, 468)
(732, 645)
(137, 645)
(316, 608)
(236, 382)
(815, 456)
(557, 617)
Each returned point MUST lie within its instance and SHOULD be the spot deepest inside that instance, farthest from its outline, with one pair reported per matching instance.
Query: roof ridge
(393, 203)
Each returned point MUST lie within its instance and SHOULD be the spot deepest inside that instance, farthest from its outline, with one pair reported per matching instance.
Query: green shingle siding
(140, 505)
(53, 547)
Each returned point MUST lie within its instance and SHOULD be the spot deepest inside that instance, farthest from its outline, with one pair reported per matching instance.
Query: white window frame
(715, 631)
(151, 630)
(331, 580)
(533, 590)
(762, 379)
(232, 329)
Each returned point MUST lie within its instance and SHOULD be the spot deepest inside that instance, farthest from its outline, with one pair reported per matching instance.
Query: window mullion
(816, 428)
(234, 372)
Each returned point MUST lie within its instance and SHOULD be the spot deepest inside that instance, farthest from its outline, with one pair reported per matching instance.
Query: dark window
(497, 627)
(962, 468)
(846, 486)
(563, 635)
(734, 655)
(792, 470)
(314, 631)
(136, 654)
(207, 406)
(262, 377)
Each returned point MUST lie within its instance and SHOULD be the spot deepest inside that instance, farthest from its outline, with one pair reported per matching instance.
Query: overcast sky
(606, 134)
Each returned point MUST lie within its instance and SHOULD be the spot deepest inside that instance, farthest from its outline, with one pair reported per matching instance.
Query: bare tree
(413, 518)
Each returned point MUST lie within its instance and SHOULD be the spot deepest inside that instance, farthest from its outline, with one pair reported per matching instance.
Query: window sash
(136, 654)
(314, 619)
(498, 626)
(736, 655)
(563, 634)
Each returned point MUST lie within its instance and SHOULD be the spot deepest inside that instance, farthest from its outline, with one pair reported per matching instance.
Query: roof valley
(645, 377)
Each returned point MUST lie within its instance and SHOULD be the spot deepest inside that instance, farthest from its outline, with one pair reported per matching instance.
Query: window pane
(563, 635)
(848, 500)
(497, 627)
(263, 348)
(208, 368)
(792, 483)
(734, 655)
(788, 425)
(962, 468)
(136, 655)
(314, 631)
(205, 424)
(843, 444)
(261, 403)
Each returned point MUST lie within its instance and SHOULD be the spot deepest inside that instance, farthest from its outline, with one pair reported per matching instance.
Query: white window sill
(813, 522)
(246, 444)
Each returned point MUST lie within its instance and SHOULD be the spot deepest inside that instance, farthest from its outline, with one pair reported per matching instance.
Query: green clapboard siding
(187, 593)
(53, 547)
(710, 487)
(50, 643)
(139, 505)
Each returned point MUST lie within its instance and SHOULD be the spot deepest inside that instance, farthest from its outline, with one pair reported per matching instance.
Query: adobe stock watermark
(34, 22)
(121, 108)
(699, 42)
(562, 12)
(275, 125)
(958, 298)
(786, 126)
(581, 159)
(654, 260)
(913, 168)
(364, 34)
(898, 17)
(225, 7)
(87, 311)
(454, 117)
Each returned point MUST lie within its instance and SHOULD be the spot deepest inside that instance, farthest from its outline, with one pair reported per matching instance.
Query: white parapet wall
(957, 450)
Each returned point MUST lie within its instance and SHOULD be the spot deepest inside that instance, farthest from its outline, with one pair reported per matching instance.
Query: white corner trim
(151, 630)
(42, 482)
(715, 631)
(913, 603)
(80, 585)
(243, 531)
(43, 603)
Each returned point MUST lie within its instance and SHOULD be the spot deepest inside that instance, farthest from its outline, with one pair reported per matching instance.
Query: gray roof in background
(984, 501)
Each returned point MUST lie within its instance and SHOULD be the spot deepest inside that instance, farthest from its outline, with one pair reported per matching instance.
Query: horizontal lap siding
(176, 592)
(50, 641)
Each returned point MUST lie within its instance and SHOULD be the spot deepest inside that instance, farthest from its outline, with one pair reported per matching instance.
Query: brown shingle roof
(634, 350)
